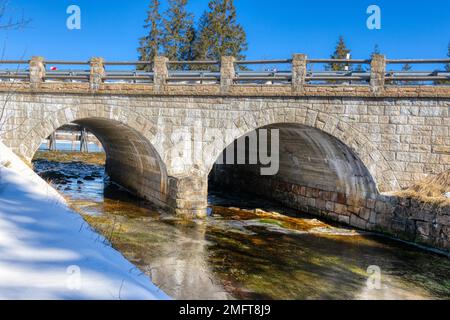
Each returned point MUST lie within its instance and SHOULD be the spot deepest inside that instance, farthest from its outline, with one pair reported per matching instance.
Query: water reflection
(246, 253)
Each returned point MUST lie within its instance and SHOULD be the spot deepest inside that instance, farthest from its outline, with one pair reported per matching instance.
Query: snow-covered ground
(47, 251)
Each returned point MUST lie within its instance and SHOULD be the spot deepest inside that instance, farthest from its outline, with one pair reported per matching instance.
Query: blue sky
(275, 29)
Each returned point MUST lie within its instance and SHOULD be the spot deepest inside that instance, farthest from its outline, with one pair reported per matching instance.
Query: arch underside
(316, 171)
(131, 160)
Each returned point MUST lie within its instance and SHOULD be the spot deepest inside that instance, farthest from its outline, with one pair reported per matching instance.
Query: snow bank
(47, 251)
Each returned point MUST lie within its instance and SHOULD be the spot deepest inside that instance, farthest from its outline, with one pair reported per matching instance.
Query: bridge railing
(267, 72)
(14, 70)
(338, 71)
(117, 71)
(66, 71)
(440, 74)
(298, 72)
(193, 72)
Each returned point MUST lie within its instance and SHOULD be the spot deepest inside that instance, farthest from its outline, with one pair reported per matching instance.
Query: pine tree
(150, 44)
(406, 67)
(340, 52)
(191, 36)
(219, 32)
(178, 31)
(203, 40)
(376, 50)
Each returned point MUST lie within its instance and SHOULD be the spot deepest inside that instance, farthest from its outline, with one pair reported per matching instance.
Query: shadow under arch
(318, 173)
(131, 160)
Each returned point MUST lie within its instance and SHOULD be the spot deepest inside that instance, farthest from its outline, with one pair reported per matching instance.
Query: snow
(47, 251)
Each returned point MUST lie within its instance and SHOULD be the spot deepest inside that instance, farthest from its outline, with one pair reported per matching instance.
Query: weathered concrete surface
(362, 142)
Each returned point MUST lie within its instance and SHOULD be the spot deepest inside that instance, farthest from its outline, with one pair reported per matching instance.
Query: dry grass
(61, 156)
(429, 190)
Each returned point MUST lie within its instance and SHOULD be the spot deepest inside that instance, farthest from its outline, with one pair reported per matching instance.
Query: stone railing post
(377, 73)
(299, 64)
(37, 71)
(227, 73)
(97, 73)
(161, 73)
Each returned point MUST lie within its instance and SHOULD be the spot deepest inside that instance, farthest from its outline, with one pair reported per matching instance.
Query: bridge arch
(132, 160)
(156, 121)
(357, 142)
(326, 166)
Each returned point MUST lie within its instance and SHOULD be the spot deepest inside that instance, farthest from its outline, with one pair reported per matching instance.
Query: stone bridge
(341, 145)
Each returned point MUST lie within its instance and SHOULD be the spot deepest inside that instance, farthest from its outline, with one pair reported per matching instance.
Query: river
(248, 248)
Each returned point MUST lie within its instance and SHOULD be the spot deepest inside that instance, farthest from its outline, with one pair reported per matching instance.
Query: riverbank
(49, 252)
(97, 158)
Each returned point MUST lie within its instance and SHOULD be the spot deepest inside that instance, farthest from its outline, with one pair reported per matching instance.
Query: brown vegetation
(97, 158)
(430, 190)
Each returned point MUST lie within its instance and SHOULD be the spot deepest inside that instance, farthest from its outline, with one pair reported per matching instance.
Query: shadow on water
(257, 251)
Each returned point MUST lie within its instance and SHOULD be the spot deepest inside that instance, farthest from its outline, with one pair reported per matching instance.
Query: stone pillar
(189, 195)
(97, 73)
(299, 64)
(52, 142)
(227, 73)
(377, 73)
(161, 73)
(84, 143)
(37, 71)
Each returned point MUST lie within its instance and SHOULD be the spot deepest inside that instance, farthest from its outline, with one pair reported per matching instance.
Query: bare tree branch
(9, 23)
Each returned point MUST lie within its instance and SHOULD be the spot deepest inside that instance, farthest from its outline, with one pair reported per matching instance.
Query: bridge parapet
(290, 77)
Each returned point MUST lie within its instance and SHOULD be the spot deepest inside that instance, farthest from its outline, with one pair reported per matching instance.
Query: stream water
(259, 251)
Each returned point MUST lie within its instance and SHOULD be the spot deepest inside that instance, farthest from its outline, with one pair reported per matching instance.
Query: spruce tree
(341, 51)
(376, 50)
(220, 34)
(150, 44)
(191, 36)
(406, 67)
(178, 31)
(203, 41)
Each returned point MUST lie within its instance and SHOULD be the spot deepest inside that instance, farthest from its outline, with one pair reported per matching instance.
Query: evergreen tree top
(376, 50)
(220, 32)
(150, 43)
(341, 50)
(178, 31)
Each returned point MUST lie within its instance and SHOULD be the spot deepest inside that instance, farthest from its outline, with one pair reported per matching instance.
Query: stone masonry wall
(400, 136)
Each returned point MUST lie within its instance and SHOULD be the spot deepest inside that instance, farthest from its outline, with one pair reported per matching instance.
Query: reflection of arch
(131, 160)
(348, 135)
